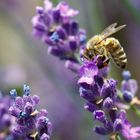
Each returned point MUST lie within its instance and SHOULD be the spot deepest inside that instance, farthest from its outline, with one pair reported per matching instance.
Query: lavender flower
(30, 123)
(7, 120)
(56, 27)
(101, 96)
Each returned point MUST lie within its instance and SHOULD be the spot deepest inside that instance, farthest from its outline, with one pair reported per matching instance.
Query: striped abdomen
(117, 53)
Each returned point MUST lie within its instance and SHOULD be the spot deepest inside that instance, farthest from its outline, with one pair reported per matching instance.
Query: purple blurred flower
(29, 121)
(57, 28)
(6, 120)
(65, 10)
(128, 131)
(129, 86)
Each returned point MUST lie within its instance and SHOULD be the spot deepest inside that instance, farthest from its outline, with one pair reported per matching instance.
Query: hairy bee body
(116, 52)
(106, 46)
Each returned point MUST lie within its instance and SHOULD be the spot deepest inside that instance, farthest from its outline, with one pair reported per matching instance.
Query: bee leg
(106, 62)
(102, 61)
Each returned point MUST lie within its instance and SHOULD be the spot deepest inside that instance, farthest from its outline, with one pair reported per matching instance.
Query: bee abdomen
(119, 56)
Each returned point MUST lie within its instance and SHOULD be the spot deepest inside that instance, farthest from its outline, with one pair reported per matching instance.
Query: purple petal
(45, 137)
(19, 102)
(99, 115)
(28, 108)
(86, 82)
(87, 94)
(36, 99)
(48, 5)
(14, 111)
(118, 124)
(90, 107)
(130, 85)
(39, 10)
(108, 103)
(131, 133)
(56, 16)
(72, 66)
(89, 70)
(100, 130)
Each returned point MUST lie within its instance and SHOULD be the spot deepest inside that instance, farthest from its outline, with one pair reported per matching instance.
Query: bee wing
(111, 29)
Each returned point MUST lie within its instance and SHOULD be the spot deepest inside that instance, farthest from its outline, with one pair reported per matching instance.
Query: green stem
(132, 9)
(118, 137)
(137, 111)
(77, 57)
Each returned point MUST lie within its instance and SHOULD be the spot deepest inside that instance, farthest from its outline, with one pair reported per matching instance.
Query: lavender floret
(57, 27)
(129, 87)
(30, 123)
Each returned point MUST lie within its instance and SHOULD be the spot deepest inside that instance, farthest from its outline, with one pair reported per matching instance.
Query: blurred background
(24, 59)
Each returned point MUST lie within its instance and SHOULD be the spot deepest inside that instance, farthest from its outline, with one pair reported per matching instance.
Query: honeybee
(107, 47)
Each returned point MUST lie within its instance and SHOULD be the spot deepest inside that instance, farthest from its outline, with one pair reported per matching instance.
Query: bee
(107, 47)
